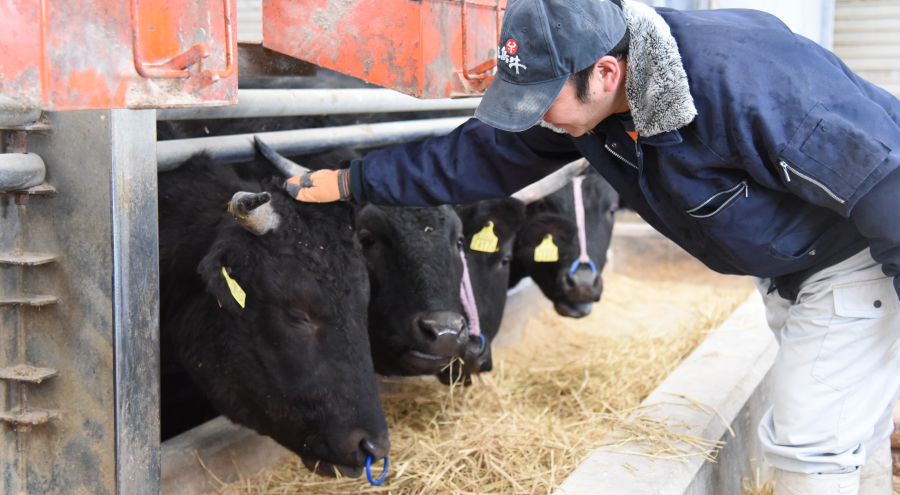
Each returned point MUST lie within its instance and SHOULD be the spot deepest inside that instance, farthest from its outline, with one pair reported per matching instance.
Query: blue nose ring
(481, 338)
(578, 263)
(380, 480)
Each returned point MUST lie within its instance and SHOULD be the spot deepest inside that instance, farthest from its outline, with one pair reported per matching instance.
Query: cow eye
(366, 240)
(297, 318)
(613, 209)
(459, 242)
(505, 260)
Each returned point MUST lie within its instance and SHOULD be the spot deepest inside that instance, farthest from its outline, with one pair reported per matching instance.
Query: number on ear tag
(547, 251)
(485, 241)
(239, 295)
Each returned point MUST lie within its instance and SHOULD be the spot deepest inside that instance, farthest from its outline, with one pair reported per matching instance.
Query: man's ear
(230, 294)
(610, 73)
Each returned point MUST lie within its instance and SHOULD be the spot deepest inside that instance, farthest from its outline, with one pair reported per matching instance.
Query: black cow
(417, 322)
(573, 287)
(264, 307)
(489, 271)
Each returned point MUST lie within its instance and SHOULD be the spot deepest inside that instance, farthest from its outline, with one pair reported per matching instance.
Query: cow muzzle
(437, 338)
(581, 286)
(357, 446)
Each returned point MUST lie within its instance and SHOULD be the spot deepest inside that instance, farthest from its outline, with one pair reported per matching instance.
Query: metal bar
(465, 48)
(194, 54)
(15, 113)
(484, 66)
(551, 183)
(166, 70)
(259, 103)
(229, 42)
(239, 147)
(135, 300)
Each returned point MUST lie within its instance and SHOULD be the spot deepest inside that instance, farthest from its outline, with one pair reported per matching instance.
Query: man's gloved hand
(321, 186)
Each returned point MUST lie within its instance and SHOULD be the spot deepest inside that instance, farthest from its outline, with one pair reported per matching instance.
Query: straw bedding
(551, 399)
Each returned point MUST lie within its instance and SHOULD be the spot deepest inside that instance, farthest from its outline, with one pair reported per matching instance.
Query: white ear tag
(239, 295)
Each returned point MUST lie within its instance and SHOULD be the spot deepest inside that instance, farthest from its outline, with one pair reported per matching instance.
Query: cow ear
(224, 281)
(508, 214)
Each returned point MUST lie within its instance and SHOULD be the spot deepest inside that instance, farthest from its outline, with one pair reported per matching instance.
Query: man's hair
(582, 78)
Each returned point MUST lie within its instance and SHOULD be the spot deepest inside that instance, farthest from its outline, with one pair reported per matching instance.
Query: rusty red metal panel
(412, 46)
(92, 54)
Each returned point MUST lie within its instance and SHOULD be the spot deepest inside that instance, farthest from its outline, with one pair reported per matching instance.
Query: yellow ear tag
(236, 290)
(547, 251)
(485, 241)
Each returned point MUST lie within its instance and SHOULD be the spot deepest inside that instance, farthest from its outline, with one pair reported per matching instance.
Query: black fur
(555, 215)
(294, 363)
(489, 272)
(414, 271)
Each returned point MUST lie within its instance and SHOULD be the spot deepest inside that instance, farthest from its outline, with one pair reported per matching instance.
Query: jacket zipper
(786, 167)
(620, 157)
(737, 190)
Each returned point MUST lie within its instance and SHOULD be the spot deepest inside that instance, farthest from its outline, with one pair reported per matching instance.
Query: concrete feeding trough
(728, 373)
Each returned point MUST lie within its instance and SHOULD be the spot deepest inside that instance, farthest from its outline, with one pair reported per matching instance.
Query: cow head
(489, 272)
(551, 224)
(275, 331)
(416, 319)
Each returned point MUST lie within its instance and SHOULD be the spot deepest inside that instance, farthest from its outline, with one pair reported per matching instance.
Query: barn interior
(99, 99)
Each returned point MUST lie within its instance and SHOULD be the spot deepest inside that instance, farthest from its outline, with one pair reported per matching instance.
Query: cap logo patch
(513, 62)
(511, 46)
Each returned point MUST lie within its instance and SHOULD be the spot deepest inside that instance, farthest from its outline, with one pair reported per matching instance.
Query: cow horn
(286, 167)
(552, 183)
(254, 211)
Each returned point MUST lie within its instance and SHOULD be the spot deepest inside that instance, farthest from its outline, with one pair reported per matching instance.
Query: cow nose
(487, 364)
(441, 333)
(366, 443)
(441, 325)
(582, 286)
(376, 446)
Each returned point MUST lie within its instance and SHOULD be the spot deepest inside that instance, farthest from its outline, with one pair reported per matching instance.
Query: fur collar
(655, 82)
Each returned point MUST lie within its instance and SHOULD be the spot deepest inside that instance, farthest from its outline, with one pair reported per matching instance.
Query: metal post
(135, 300)
(101, 335)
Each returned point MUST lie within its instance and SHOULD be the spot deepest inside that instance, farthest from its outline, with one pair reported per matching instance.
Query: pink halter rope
(468, 297)
(579, 220)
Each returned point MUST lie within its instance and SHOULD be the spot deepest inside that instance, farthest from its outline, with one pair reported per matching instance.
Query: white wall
(811, 18)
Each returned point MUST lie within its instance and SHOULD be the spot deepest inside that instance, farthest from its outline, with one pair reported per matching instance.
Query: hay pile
(550, 400)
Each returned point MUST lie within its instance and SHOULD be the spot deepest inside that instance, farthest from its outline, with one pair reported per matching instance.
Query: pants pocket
(861, 335)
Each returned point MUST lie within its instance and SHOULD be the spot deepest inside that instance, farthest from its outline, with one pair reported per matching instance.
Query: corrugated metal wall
(867, 39)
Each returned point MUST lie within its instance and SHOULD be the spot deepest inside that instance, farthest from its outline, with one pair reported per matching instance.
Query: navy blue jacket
(791, 165)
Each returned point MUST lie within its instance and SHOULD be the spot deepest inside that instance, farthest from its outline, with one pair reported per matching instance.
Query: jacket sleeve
(877, 216)
(472, 163)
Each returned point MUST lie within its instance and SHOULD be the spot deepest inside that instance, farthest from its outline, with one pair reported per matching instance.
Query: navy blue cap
(542, 42)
